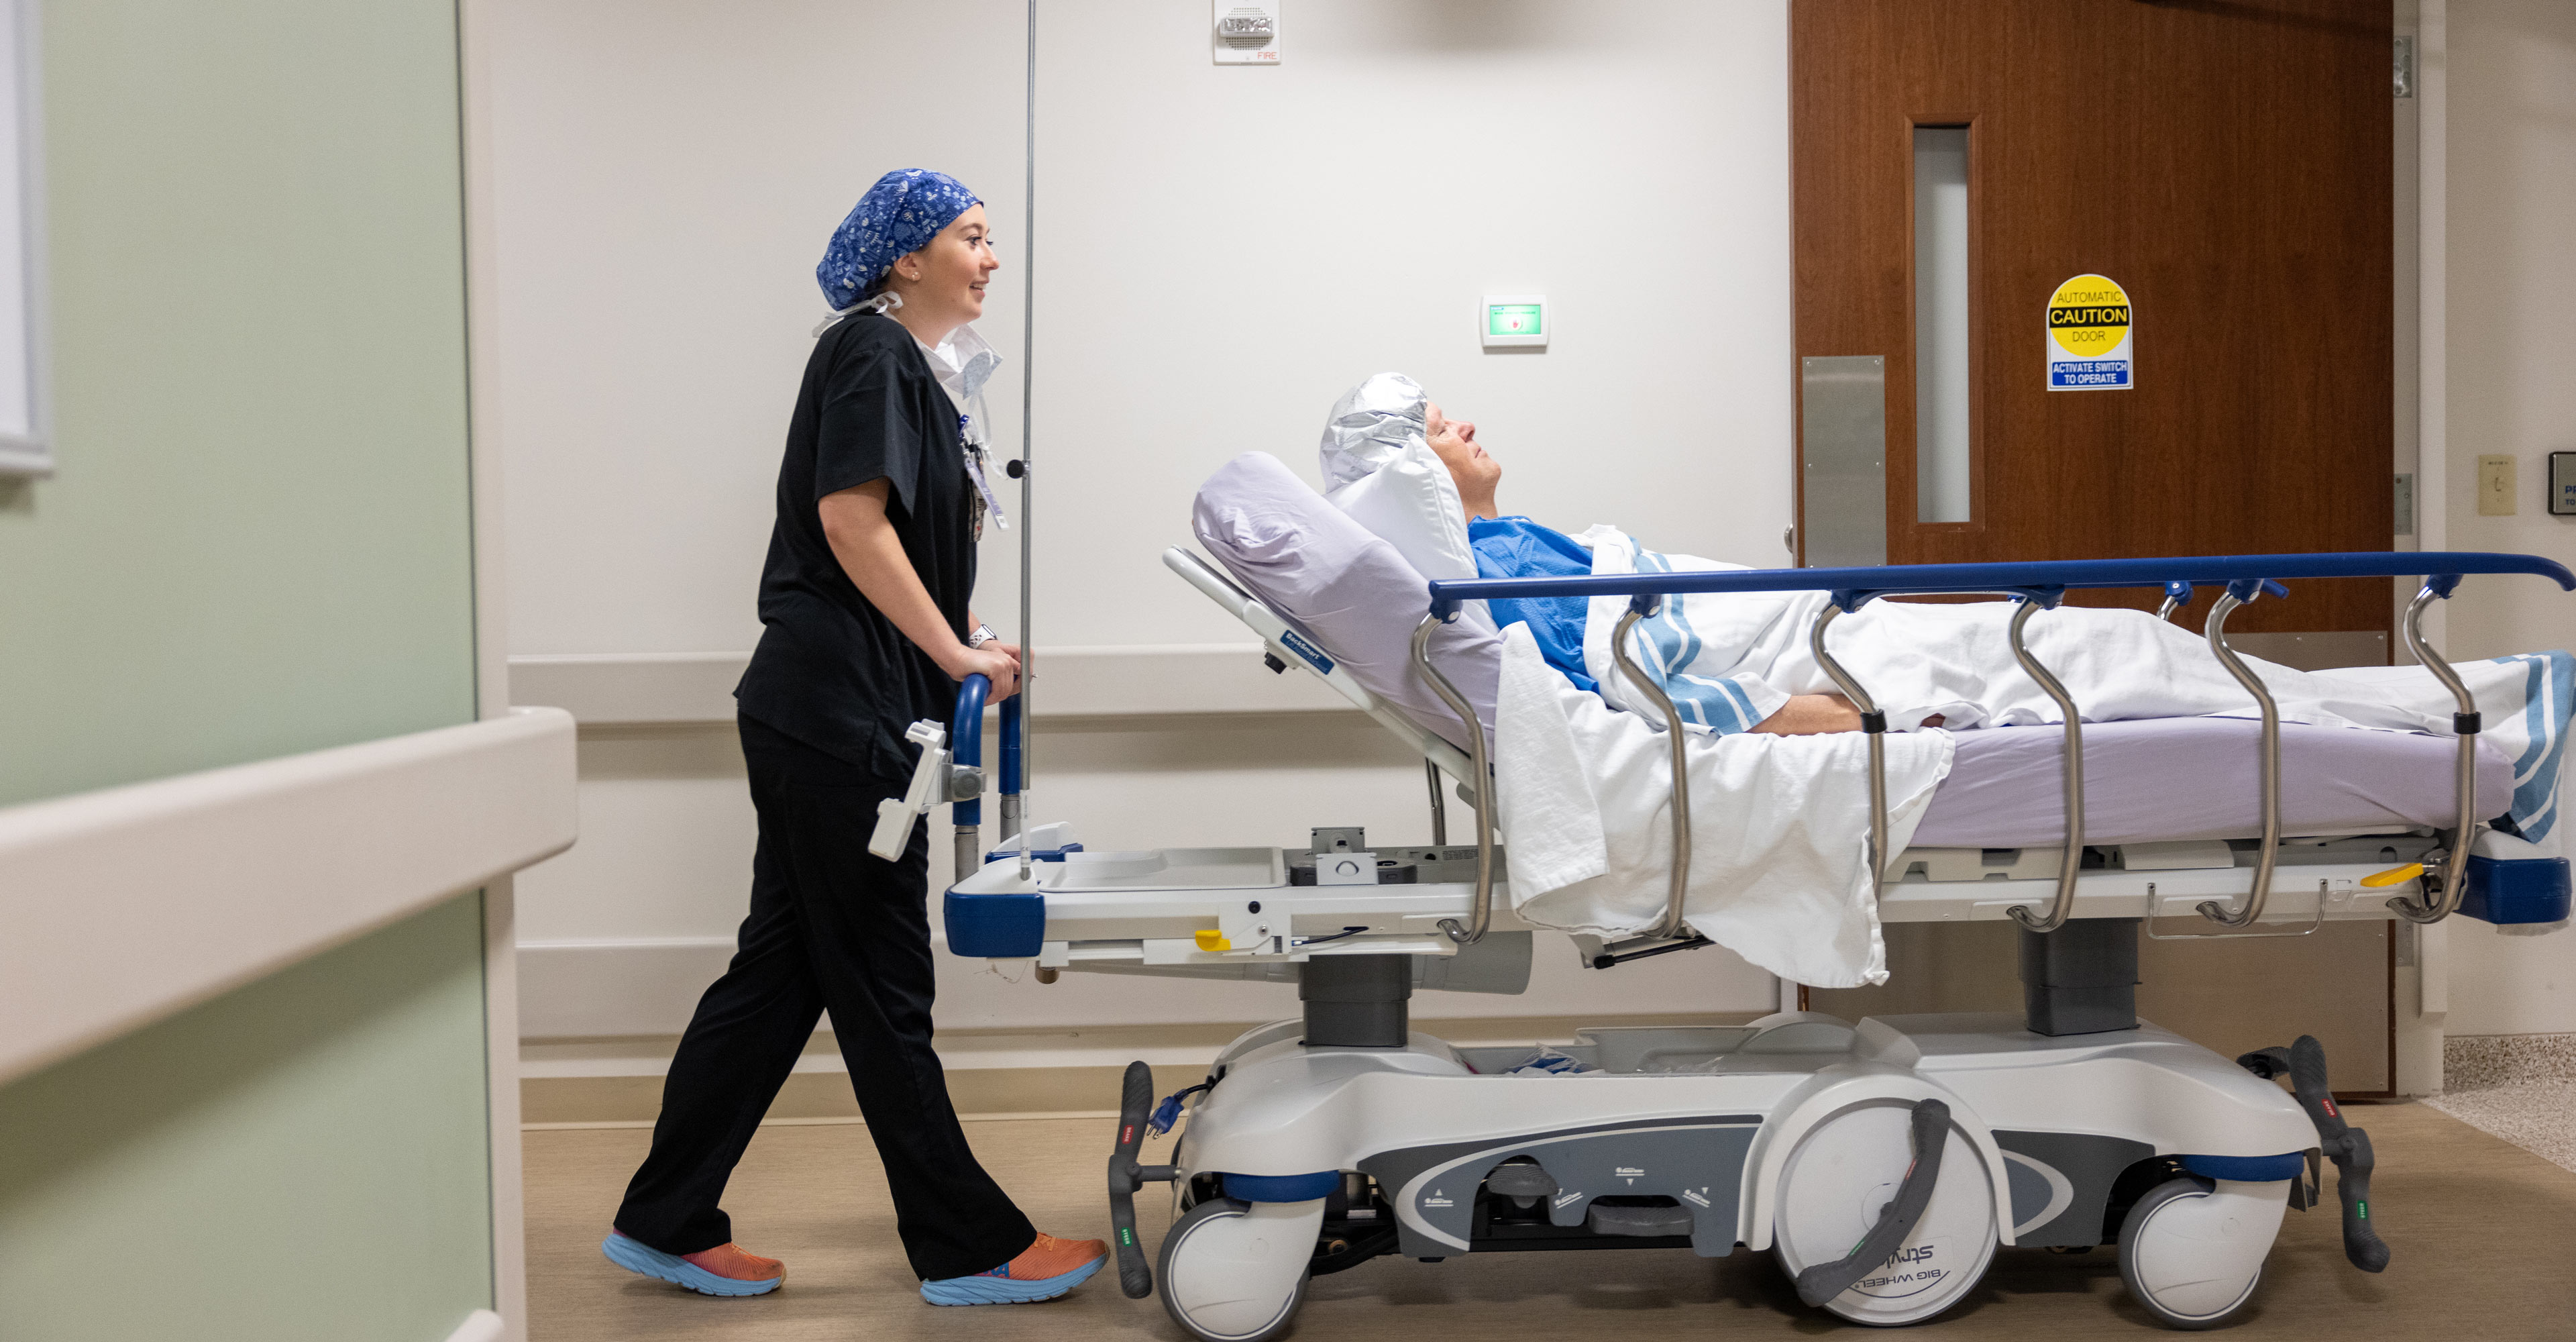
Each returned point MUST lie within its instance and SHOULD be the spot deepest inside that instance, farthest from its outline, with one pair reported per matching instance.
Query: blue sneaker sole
(651, 1262)
(1003, 1290)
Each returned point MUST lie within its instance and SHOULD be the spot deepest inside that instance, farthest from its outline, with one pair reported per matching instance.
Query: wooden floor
(2480, 1228)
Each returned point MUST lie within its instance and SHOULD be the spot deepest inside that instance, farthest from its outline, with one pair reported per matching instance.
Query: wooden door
(2228, 164)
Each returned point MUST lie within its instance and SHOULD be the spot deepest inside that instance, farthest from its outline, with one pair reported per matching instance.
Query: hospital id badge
(983, 486)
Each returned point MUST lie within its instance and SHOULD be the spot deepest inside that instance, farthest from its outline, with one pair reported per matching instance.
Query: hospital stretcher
(1882, 1160)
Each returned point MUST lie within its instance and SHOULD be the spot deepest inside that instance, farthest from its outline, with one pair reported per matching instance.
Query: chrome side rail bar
(1677, 739)
(1482, 786)
(1873, 723)
(2216, 630)
(2454, 866)
(2071, 865)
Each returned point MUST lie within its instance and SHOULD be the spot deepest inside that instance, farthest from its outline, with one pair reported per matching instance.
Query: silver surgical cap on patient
(1371, 424)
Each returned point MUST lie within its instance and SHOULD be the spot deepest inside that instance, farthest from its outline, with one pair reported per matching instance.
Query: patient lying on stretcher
(1741, 662)
(1516, 547)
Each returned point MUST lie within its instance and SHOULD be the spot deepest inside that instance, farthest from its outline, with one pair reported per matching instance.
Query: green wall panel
(258, 541)
(301, 1159)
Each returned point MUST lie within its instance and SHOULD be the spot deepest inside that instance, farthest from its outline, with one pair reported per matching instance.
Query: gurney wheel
(1843, 1172)
(2192, 1257)
(1235, 1271)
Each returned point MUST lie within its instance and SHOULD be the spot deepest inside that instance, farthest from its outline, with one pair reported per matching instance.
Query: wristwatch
(983, 634)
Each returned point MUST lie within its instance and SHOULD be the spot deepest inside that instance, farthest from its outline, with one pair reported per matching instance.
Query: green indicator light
(2363, 1208)
(1513, 319)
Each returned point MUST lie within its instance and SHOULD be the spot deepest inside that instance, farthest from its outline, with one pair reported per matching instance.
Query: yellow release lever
(2376, 880)
(1213, 939)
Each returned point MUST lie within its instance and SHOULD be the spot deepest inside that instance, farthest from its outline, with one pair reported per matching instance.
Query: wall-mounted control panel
(2497, 485)
(1244, 34)
(1514, 321)
(2562, 484)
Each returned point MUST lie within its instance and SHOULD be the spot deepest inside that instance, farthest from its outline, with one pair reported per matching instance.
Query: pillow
(1412, 504)
(1351, 590)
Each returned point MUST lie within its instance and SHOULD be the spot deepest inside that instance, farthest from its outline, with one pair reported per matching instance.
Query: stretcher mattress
(2145, 781)
(2199, 778)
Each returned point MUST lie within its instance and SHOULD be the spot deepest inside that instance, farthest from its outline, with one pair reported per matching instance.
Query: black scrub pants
(832, 928)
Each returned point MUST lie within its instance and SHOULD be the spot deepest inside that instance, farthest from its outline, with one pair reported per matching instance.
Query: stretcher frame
(1092, 921)
(1306, 1127)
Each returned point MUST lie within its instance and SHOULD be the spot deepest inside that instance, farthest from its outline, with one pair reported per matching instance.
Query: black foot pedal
(1136, 1096)
(2348, 1147)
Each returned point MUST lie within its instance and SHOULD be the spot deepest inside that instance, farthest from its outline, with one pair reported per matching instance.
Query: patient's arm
(1815, 714)
(1811, 715)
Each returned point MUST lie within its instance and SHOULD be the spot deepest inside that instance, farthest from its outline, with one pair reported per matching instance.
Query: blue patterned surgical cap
(900, 214)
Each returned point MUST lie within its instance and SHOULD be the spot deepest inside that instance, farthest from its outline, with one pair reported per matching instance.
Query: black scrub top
(830, 670)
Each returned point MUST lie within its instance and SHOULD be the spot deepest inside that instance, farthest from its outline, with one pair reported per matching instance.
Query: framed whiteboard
(26, 425)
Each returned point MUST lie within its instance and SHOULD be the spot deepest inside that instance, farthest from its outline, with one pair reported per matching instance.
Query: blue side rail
(966, 752)
(1008, 924)
(2034, 586)
(2041, 580)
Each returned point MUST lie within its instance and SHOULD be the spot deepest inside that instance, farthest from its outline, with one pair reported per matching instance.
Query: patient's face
(1454, 442)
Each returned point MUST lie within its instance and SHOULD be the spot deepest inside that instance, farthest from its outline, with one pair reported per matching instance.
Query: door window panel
(1942, 474)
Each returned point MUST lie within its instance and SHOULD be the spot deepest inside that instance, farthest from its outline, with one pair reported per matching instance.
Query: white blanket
(1780, 824)
(1778, 868)
(1712, 651)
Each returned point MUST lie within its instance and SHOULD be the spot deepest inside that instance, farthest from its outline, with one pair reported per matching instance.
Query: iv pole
(1028, 384)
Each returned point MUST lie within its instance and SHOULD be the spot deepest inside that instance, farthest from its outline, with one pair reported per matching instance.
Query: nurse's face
(945, 280)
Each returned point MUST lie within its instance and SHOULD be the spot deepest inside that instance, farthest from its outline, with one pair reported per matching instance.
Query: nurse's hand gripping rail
(2036, 586)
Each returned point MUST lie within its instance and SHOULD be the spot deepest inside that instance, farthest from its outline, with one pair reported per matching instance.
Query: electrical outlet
(2496, 485)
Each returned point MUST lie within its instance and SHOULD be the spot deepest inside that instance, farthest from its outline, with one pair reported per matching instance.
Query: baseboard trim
(480, 1326)
(993, 1074)
(2477, 1061)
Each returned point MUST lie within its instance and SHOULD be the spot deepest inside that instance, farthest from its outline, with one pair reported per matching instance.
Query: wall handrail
(130, 904)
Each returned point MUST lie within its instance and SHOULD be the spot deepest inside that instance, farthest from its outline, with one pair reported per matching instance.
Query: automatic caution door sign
(2089, 327)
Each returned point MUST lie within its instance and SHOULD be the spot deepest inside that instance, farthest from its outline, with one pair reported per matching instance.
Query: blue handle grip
(2043, 580)
(966, 742)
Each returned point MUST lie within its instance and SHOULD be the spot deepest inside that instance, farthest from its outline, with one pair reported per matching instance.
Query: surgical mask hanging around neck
(963, 363)
(886, 302)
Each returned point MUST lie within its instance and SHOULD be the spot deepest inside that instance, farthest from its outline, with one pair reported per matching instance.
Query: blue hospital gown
(1516, 547)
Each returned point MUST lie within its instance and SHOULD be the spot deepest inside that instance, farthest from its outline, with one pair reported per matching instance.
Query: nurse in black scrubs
(867, 630)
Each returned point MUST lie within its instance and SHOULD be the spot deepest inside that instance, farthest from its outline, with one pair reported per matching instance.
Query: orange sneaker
(723, 1270)
(1048, 1268)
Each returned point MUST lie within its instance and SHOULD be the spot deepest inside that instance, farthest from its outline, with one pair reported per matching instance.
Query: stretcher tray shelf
(1091, 913)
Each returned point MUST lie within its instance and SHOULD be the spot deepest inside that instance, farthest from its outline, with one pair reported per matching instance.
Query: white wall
(1221, 251)
(664, 176)
(2512, 298)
